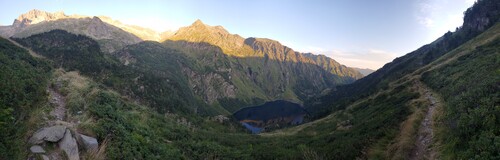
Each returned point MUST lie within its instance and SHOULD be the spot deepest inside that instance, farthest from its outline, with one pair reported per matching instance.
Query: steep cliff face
(210, 86)
(483, 15)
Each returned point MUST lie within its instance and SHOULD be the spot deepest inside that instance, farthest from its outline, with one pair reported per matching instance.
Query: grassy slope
(477, 19)
(22, 90)
(134, 131)
(138, 132)
(467, 78)
(385, 124)
(160, 85)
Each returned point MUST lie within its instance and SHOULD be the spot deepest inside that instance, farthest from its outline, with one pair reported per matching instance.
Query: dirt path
(422, 149)
(59, 112)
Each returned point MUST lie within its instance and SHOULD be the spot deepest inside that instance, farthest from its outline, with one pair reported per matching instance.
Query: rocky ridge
(110, 37)
(234, 45)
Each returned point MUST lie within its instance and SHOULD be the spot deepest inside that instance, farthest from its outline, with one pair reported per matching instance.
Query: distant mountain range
(364, 71)
(230, 71)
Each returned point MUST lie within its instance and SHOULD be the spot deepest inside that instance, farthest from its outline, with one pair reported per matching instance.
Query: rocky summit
(36, 16)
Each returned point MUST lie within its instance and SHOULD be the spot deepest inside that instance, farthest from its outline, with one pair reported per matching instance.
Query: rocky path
(58, 131)
(59, 112)
(423, 149)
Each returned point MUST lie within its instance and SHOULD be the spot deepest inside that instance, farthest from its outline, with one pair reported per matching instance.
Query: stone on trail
(50, 134)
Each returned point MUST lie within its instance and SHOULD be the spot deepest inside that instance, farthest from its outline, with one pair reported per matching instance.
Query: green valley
(79, 87)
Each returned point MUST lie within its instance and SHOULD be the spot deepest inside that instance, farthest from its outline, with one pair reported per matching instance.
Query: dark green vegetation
(22, 89)
(171, 80)
(159, 85)
(137, 132)
(371, 124)
(470, 85)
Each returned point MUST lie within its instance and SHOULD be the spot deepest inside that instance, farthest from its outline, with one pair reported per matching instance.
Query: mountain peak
(198, 22)
(36, 16)
(214, 35)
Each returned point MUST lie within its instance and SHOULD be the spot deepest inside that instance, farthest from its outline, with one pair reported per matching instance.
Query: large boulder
(69, 146)
(37, 149)
(50, 134)
(89, 143)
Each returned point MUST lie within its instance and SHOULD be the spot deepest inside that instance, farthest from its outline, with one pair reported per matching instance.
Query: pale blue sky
(359, 33)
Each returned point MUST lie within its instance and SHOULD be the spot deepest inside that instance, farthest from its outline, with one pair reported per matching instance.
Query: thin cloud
(440, 16)
(426, 21)
(427, 11)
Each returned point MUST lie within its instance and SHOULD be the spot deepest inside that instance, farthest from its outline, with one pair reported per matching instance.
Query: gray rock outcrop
(69, 146)
(89, 143)
(210, 86)
(50, 134)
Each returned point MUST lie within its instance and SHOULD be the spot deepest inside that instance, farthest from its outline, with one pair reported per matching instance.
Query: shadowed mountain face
(278, 112)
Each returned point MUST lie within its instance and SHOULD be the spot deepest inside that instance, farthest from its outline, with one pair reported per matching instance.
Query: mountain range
(81, 87)
(235, 72)
(364, 71)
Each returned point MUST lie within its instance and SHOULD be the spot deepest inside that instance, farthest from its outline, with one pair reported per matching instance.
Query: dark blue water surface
(270, 111)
